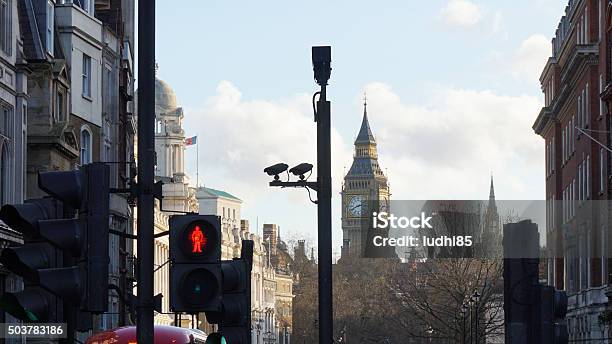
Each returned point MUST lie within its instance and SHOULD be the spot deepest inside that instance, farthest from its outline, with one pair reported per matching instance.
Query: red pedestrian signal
(198, 239)
(195, 268)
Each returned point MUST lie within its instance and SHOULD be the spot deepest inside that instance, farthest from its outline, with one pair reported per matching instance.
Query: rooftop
(219, 193)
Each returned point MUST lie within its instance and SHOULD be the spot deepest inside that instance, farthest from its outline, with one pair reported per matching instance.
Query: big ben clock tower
(365, 183)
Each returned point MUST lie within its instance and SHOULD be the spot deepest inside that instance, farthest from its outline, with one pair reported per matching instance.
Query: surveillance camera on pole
(301, 169)
(276, 169)
(321, 65)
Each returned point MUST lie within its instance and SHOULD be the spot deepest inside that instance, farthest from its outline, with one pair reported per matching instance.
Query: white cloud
(239, 138)
(531, 57)
(447, 146)
(461, 13)
(442, 147)
(496, 23)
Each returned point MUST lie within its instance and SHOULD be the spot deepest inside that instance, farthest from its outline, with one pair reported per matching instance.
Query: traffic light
(65, 255)
(33, 303)
(201, 282)
(550, 307)
(234, 319)
(195, 270)
(560, 334)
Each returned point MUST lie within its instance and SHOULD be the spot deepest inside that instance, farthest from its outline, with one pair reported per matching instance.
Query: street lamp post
(321, 62)
(476, 298)
(464, 311)
(470, 304)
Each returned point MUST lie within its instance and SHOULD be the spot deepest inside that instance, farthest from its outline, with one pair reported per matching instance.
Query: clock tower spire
(365, 183)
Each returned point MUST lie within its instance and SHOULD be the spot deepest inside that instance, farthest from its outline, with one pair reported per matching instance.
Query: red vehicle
(163, 335)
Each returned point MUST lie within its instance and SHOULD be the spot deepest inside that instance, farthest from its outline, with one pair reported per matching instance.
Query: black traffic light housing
(33, 304)
(201, 282)
(64, 254)
(195, 258)
(85, 238)
(549, 307)
(234, 319)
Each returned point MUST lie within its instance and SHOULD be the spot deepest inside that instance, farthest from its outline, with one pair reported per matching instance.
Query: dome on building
(165, 98)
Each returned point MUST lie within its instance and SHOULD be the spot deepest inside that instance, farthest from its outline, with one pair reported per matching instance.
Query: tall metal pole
(146, 158)
(477, 334)
(471, 325)
(324, 218)
(463, 329)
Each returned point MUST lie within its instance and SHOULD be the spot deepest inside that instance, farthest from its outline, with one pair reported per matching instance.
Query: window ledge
(87, 97)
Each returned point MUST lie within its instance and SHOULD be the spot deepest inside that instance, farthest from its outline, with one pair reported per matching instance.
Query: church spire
(492, 191)
(365, 133)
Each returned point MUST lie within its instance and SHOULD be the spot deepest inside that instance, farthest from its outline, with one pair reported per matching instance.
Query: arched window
(85, 146)
(5, 170)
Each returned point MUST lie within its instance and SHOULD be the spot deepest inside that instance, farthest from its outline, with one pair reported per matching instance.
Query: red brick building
(575, 125)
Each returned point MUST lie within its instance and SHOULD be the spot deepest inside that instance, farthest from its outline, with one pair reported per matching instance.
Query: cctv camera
(275, 170)
(301, 169)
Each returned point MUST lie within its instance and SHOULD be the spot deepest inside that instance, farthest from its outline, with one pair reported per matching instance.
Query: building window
(580, 182)
(571, 129)
(60, 107)
(85, 146)
(586, 25)
(553, 149)
(5, 120)
(588, 177)
(108, 91)
(50, 23)
(547, 153)
(602, 179)
(563, 144)
(573, 196)
(601, 103)
(599, 15)
(5, 171)
(86, 76)
(88, 6)
(587, 106)
(602, 240)
(5, 26)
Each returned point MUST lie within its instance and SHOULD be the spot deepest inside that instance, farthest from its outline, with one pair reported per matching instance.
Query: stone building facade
(76, 105)
(13, 128)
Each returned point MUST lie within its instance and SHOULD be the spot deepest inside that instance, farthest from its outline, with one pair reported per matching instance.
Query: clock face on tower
(355, 206)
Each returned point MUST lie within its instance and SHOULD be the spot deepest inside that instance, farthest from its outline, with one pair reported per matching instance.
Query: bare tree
(432, 293)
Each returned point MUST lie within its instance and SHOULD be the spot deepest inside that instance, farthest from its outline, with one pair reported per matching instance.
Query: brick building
(575, 125)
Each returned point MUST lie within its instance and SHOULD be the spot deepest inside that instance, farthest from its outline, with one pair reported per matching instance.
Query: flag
(191, 141)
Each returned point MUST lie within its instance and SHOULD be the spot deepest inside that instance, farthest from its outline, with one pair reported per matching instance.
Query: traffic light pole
(324, 218)
(146, 158)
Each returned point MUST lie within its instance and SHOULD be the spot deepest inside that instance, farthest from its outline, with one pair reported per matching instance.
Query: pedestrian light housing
(195, 267)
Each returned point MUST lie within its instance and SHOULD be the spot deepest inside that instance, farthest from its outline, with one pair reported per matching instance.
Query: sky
(452, 89)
